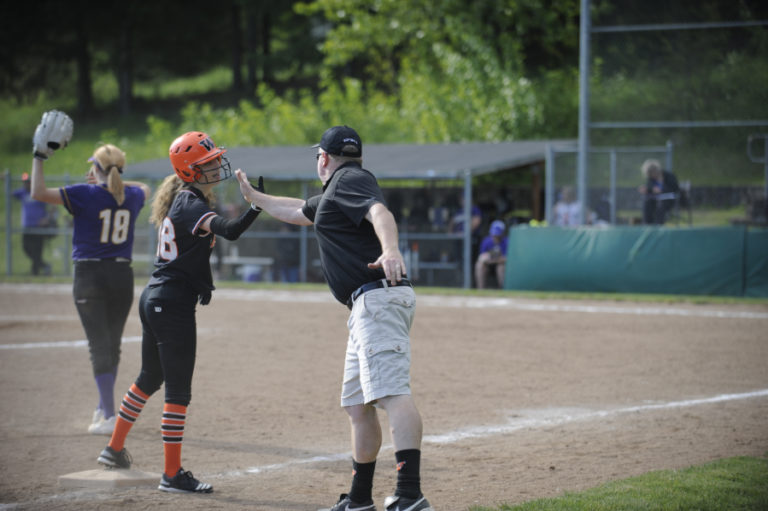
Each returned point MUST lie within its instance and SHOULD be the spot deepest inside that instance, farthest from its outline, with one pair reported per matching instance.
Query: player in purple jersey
(104, 209)
(187, 228)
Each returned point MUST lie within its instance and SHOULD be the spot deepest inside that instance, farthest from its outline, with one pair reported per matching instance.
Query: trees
(372, 40)
(465, 69)
(58, 47)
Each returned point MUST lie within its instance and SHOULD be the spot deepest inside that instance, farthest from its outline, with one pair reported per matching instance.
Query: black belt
(98, 260)
(376, 284)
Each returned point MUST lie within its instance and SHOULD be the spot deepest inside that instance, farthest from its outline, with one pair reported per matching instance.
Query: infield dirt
(520, 399)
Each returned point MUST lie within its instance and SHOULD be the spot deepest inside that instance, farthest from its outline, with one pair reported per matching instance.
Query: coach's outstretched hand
(247, 188)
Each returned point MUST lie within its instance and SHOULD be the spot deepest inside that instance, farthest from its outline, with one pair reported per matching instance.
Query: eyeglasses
(317, 156)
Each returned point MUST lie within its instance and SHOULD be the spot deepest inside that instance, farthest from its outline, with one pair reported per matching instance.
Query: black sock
(408, 479)
(362, 482)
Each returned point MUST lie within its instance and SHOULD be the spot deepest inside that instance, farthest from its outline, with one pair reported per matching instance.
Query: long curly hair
(164, 196)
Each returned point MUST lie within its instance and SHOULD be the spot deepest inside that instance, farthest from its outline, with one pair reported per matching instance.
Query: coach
(358, 242)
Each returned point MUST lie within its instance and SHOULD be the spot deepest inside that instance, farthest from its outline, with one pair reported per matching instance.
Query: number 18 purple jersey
(102, 228)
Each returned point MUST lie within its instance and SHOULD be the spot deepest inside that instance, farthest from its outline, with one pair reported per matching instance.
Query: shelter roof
(386, 161)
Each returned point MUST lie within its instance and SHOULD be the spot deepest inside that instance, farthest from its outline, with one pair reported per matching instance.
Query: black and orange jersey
(183, 249)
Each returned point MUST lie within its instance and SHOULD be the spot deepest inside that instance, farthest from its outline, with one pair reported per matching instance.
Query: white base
(109, 478)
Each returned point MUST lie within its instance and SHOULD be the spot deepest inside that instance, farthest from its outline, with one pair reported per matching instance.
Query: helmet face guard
(191, 151)
(213, 175)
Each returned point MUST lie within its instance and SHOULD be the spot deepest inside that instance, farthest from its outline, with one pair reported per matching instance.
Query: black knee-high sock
(362, 482)
(408, 478)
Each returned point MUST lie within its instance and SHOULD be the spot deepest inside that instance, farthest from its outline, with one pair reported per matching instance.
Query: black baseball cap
(341, 141)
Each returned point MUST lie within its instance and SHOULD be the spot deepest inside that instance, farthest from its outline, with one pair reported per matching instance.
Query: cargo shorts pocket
(391, 311)
(388, 366)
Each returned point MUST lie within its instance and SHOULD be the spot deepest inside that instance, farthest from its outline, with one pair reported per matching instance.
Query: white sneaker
(98, 416)
(105, 427)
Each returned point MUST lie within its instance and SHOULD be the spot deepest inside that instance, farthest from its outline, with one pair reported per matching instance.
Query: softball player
(105, 211)
(187, 229)
(358, 242)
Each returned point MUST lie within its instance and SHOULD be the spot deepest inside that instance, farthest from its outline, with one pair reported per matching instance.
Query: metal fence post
(8, 223)
(68, 235)
(670, 146)
(303, 258)
(764, 160)
(467, 263)
(549, 182)
(612, 196)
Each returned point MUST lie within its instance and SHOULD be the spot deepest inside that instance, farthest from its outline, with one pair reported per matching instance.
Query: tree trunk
(83, 61)
(266, 48)
(125, 65)
(252, 48)
(237, 49)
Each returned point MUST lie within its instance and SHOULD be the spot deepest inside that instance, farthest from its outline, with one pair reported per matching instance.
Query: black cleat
(113, 459)
(183, 482)
(345, 504)
(406, 504)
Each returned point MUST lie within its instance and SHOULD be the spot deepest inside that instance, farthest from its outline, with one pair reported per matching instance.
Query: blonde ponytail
(115, 186)
(110, 160)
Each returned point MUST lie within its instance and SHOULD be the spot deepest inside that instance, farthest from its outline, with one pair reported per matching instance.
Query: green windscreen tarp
(730, 261)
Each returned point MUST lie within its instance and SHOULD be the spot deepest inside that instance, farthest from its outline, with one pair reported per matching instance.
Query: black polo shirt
(347, 241)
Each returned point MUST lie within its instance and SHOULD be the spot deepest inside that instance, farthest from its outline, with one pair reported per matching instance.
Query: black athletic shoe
(183, 482)
(344, 504)
(406, 504)
(114, 459)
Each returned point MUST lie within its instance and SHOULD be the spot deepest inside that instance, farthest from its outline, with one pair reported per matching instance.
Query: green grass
(714, 217)
(614, 297)
(733, 484)
(218, 79)
(700, 217)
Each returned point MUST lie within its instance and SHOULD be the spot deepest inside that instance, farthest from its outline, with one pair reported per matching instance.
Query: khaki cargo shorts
(378, 360)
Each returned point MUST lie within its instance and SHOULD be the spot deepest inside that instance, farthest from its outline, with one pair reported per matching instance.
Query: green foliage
(730, 90)
(216, 80)
(734, 484)
(372, 39)
(426, 109)
(457, 71)
(281, 121)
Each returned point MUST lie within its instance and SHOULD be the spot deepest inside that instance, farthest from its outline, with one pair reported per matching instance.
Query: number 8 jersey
(183, 249)
(102, 228)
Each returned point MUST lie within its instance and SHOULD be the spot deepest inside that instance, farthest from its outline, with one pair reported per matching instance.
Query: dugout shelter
(410, 166)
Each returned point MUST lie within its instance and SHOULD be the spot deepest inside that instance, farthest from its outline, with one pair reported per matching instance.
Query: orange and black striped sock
(174, 417)
(130, 408)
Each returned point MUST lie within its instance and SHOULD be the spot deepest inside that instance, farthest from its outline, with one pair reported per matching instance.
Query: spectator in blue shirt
(493, 256)
(34, 218)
